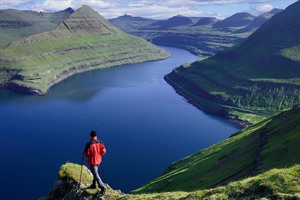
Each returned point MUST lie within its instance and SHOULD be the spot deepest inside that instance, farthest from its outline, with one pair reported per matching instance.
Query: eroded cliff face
(85, 41)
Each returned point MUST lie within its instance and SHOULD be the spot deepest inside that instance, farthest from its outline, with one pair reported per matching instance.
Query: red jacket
(94, 150)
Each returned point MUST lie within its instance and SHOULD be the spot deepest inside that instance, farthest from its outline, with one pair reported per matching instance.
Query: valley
(83, 42)
(162, 104)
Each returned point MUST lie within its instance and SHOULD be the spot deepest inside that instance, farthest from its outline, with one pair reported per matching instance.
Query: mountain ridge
(17, 24)
(83, 42)
(259, 20)
(252, 80)
(198, 35)
(174, 21)
(236, 20)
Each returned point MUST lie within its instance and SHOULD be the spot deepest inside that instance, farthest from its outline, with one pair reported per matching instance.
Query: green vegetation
(259, 77)
(72, 171)
(272, 143)
(273, 184)
(202, 36)
(85, 41)
(17, 24)
(259, 161)
(68, 187)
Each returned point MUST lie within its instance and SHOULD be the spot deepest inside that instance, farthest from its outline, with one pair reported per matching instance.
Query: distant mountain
(259, 77)
(85, 41)
(175, 21)
(131, 18)
(16, 24)
(195, 19)
(195, 34)
(236, 20)
(258, 21)
(128, 22)
(206, 20)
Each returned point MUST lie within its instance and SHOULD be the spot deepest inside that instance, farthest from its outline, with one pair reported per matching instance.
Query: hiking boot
(103, 190)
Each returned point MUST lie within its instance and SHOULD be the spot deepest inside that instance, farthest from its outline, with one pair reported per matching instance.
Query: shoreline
(65, 75)
(223, 114)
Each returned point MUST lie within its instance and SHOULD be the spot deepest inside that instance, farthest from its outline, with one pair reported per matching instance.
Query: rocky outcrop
(72, 184)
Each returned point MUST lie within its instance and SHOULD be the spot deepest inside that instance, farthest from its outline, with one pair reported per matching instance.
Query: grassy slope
(250, 155)
(17, 24)
(274, 184)
(84, 42)
(258, 77)
(271, 143)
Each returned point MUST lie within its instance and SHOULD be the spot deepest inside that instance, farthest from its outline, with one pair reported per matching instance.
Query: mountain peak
(87, 12)
(174, 21)
(69, 10)
(126, 16)
(85, 7)
(85, 19)
(236, 20)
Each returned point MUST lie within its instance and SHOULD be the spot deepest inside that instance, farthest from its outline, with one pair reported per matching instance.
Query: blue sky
(156, 9)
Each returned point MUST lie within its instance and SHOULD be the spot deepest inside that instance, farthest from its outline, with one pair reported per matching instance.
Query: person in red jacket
(94, 150)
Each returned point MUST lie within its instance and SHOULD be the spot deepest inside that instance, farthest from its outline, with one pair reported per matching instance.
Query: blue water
(143, 122)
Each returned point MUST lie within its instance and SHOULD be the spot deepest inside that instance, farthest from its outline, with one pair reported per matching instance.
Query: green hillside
(85, 41)
(259, 77)
(16, 24)
(272, 143)
(260, 161)
(273, 184)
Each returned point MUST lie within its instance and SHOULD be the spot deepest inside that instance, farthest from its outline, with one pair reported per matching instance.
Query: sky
(155, 9)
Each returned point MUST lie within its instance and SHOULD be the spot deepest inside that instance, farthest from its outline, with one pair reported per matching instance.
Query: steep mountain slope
(273, 184)
(273, 143)
(253, 151)
(84, 41)
(236, 20)
(256, 78)
(258, 21)
(16, 24)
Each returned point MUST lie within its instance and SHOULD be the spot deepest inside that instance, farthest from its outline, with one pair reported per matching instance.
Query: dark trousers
(94, 170)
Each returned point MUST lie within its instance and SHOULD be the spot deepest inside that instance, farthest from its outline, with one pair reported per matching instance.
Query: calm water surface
(143, 122)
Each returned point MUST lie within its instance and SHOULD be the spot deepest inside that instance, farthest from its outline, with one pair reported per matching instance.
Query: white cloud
(50, 5)
(157, 9)
(152, 11)
(15, 3)
(264, 8)
(114, 8)
(56, 5)
(198, 2)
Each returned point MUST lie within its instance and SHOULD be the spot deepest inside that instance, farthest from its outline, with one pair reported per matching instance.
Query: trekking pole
(81, 170)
